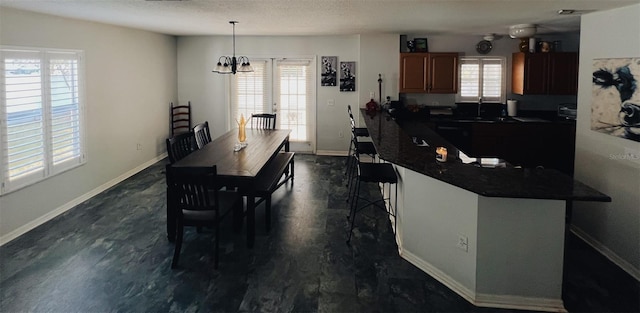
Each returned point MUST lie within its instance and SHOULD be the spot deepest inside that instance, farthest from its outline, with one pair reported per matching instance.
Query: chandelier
(229, 65)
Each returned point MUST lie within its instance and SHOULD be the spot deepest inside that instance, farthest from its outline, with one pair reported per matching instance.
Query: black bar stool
(365, 148)
(370, 172)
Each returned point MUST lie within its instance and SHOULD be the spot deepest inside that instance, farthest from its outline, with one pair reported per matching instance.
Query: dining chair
(202, 134)
(197, 201)
(179, 146)
(180, 116)
(263, 121)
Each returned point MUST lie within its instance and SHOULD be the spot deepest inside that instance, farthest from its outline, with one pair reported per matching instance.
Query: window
(482, 77)
(41, 115)
(294, 91)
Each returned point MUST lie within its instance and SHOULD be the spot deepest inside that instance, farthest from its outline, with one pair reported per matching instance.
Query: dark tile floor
(111, 254)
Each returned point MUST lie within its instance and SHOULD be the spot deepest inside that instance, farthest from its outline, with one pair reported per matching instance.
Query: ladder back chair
(180, 116)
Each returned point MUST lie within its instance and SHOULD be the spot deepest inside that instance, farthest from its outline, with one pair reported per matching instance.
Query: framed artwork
(421, 45)
(348, 76)
(615, 102)
(329, 71)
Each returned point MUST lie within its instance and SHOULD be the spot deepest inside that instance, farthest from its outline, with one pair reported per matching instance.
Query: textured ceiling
(324, 17)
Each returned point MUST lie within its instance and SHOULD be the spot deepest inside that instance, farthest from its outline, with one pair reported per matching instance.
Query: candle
(441, 154)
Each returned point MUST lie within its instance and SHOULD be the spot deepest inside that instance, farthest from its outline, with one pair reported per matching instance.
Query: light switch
(331, 102)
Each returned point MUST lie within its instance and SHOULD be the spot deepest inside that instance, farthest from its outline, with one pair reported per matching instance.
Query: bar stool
(358, 149)
(365, 148)
(380, 173)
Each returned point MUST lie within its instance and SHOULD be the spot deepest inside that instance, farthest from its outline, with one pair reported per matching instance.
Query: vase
(242, 134)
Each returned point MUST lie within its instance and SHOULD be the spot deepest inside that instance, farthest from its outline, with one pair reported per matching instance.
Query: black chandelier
(229, 65)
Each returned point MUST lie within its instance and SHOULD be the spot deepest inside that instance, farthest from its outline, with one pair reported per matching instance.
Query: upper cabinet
(429, 72)
(554, 73)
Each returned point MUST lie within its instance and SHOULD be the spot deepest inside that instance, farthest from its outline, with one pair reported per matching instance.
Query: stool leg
(347, 164)
(354, 207)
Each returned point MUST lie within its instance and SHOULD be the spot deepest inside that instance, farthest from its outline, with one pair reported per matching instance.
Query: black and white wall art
(348, 76)
(615, 106)
(329, 71)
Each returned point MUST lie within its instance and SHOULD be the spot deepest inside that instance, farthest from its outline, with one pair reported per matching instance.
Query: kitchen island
(491, 232)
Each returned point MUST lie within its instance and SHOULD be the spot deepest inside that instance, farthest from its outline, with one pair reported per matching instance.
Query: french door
(284, 86)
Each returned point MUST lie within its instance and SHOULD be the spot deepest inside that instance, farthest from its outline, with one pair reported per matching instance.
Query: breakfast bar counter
(491, 232)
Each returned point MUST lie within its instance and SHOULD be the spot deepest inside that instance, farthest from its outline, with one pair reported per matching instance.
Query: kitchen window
(41, 114)
(482, 78)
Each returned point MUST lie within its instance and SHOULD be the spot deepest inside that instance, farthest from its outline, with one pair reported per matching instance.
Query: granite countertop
(394, 145)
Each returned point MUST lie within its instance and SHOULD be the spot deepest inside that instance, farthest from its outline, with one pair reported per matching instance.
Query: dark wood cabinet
(550, 145)
(429, 72)
(554, 73)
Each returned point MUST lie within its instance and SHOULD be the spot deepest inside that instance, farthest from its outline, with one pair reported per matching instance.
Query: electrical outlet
(340, 134)
(139, 146)
(331, 102)
(463, 243)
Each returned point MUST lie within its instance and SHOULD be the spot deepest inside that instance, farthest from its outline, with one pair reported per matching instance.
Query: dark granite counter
(394, 145)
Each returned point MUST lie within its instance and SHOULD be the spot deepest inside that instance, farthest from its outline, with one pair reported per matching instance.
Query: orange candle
(441, 154)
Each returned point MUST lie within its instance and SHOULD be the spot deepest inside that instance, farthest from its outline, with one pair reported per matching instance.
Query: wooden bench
(275, 174)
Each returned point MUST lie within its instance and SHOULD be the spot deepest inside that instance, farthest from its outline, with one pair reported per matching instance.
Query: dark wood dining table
(235, 168)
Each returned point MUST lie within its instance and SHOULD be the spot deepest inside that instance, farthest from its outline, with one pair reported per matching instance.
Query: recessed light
(566, 11)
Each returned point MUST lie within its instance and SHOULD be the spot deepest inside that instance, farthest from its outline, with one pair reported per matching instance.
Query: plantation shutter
(65, 112)
(482, 77)
(40, 115)
(23, 145)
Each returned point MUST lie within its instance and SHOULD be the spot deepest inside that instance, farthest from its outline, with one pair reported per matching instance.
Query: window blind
(249, 93)
(294, 87)
(482, 77)
(40, 115)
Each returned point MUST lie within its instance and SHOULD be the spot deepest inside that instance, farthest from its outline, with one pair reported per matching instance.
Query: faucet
(479, 105)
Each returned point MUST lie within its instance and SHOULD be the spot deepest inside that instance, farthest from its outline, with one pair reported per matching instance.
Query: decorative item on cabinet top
(421, 45)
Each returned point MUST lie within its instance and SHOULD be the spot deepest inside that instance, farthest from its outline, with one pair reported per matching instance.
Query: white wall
(130, 80)
(207, 91)
(614, 227)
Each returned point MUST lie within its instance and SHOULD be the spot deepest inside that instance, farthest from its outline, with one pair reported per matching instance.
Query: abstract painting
(347, 76)
(329, 71)
(615, 107)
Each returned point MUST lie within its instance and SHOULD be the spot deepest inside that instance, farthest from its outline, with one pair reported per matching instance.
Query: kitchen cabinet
(527, 144)
(429, 72)
(553, 73)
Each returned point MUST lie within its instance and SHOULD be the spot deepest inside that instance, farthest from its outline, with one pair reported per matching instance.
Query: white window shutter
(482, 77)
(41, 115)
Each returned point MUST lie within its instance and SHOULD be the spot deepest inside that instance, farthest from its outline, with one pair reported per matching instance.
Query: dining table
(235, 168)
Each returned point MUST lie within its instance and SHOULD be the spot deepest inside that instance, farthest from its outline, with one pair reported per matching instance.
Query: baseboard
(69, 205)
(484, 300)
(519, 303)
(331, 152)
(438, 275)
(602, 249)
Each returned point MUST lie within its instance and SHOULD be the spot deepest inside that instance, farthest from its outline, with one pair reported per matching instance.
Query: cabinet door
(413, 72)
(563, 73)
(536, 72)
(443, 73)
